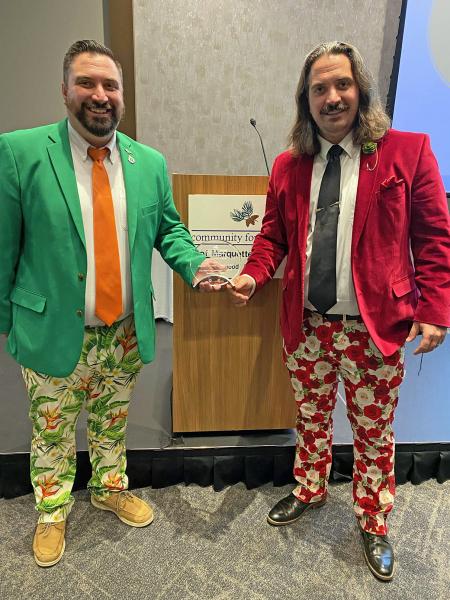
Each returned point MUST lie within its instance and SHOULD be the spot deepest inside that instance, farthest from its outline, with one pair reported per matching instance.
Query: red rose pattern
(371, 383)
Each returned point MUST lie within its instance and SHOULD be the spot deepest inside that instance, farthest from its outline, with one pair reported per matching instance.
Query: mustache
(90, 105)
(335, 107)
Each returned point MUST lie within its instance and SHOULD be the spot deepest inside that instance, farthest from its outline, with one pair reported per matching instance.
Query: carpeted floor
(206, 545)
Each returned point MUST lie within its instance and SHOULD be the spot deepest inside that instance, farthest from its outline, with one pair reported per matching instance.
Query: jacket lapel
(61, 159)
(131, 180)
(368, 170)
(303, 187)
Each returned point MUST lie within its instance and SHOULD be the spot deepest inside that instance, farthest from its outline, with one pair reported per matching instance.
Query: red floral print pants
(344, 349)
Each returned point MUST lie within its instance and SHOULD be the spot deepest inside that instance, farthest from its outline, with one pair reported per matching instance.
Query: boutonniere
(370, 148)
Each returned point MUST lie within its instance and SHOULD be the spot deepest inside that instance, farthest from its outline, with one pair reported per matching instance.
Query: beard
(99, 125)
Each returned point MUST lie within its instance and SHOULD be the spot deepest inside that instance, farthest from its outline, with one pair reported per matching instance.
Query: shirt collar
(81, 145)
(351, 149)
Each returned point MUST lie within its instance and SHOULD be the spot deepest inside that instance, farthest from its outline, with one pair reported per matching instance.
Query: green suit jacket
(42, 245)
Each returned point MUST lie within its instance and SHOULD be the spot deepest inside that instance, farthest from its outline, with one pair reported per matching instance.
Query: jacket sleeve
(10, 229)
(173, 239)
(430, 240)
(270, 245)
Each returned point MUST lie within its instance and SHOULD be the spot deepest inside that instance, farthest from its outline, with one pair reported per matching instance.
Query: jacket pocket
(27, 299)
(392, 187)
(149, 209)
(403, 286)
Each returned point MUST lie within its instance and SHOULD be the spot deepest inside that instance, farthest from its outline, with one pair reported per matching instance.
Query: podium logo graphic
(244, 214)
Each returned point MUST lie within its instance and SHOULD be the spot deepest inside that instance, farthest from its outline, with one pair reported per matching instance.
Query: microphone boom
(253, 124)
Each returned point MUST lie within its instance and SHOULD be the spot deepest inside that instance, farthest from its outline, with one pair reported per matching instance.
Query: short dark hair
(89, 46)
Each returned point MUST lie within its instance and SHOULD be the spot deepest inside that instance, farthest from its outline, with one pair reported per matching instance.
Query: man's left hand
(208, 267)
(432, 336)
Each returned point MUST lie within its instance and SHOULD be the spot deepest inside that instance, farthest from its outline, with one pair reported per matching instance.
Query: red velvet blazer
(400, 243)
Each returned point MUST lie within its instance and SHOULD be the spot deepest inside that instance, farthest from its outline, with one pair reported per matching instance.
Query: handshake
(210, 277)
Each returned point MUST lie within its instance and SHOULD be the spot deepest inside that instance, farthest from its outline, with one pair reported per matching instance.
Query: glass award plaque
(226, 261)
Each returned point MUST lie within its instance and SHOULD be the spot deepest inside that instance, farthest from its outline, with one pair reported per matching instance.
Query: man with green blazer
(51, 243)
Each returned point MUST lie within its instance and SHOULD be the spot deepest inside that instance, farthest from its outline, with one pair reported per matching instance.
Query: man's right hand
(242, 290)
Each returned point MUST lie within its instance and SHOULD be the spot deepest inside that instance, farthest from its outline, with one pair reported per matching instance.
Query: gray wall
(34, 35)
(204, 67)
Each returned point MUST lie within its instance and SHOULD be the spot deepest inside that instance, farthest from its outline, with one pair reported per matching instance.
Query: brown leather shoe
(129, 508)
(49, 543)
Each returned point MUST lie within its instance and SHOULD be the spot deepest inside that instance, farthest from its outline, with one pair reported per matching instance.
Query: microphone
(253, 124)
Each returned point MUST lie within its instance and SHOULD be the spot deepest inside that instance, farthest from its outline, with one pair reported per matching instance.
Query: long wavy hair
(371, 121)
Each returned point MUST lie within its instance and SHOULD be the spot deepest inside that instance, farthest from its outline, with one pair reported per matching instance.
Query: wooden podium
(228, 372)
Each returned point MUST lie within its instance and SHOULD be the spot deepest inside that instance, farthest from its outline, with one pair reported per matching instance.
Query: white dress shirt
(345, 292)
(83, 172)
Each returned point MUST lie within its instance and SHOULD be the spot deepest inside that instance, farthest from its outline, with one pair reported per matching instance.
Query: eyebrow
(89, 78)
(339, 79)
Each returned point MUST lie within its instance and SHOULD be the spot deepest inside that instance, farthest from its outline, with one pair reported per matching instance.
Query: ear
(64, 92)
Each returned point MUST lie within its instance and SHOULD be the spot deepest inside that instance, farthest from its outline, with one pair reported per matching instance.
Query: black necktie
(322, 275)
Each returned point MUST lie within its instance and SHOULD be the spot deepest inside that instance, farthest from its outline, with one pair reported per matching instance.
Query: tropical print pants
(102, 382)
(344, 349)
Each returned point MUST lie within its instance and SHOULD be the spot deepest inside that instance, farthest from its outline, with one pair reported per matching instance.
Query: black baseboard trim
(222, 467)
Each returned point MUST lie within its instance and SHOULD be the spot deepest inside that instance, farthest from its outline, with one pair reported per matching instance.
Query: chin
(103, 122)
(100, 128)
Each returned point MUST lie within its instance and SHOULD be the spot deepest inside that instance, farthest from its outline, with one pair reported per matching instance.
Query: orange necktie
(108, 282)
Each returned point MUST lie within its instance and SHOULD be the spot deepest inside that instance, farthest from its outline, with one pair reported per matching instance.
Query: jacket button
(79, 312)
(80, 276)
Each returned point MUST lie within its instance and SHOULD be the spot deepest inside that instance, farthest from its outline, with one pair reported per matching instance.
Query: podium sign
(218, 220)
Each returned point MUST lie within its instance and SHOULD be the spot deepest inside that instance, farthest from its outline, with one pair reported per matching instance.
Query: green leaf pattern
(102, 382)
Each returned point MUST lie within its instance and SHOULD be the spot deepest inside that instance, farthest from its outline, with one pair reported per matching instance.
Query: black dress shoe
(290, 509)
(379, 555)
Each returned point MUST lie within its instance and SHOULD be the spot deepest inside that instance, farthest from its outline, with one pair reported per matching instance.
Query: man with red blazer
(361, 214)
